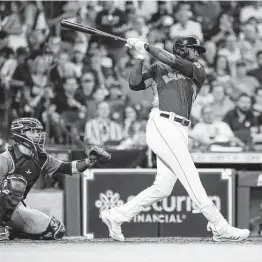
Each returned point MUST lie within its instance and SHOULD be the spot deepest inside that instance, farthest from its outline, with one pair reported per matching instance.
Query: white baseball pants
(169, 141)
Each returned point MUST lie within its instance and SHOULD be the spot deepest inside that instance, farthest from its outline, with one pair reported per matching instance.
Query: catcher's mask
(182, 44)
(19, 128)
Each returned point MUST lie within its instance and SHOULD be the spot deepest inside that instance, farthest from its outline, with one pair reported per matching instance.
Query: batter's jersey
(175, 90)
(12, 161)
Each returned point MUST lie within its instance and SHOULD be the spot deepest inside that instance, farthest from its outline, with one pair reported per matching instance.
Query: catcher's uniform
(12, 161)
(20, 167)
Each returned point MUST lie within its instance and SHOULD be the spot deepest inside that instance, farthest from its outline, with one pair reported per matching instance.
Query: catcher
(20, 167)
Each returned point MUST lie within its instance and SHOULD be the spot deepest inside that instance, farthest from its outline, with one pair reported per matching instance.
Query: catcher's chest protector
(27, 166)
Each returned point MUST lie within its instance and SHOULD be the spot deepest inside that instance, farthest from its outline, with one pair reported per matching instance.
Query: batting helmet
(181, 45)
(21, 125)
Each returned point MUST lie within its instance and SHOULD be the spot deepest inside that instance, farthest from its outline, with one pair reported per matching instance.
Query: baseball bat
(88, 30)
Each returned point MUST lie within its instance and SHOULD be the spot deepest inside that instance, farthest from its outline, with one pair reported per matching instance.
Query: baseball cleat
(228, 233)
(109, 217)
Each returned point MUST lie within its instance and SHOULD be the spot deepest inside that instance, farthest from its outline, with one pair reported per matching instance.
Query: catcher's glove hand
(95, 153)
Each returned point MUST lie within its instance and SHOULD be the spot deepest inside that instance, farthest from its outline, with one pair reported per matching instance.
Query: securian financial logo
(108, 200)
(173, 209)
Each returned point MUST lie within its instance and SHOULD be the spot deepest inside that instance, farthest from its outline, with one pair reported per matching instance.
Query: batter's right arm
(139, 80)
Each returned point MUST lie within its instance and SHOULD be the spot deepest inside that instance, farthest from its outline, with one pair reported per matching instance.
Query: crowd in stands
(77, 84)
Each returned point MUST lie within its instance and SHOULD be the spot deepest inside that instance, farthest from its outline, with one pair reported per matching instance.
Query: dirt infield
(134, 249)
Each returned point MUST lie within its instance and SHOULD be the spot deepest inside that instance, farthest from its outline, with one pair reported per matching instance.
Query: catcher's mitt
(95, 153)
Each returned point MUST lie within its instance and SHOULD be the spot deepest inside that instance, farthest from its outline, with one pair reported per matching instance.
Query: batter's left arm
(195, 71)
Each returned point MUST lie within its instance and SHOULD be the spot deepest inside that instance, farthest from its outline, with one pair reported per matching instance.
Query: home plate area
(74, 249)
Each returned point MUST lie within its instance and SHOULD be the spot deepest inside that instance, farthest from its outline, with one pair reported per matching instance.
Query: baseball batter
(20, 167)
(176, 81)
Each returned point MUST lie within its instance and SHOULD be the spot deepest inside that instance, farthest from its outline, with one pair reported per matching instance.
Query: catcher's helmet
(21, 125)
(181, 44)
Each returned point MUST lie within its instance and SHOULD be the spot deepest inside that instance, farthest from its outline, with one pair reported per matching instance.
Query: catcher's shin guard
(12, 191)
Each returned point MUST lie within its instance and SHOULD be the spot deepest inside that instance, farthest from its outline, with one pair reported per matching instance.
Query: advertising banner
(48, 201)
(174, 216)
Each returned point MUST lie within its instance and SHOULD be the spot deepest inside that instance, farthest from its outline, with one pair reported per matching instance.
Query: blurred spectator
(95, 64)
(122, 70)
(60, 70)
(54, 46)
(39, 71)
(156, 37)
(53, 125)
(139, 29)
(130, 12)
(65, 99)
(112, 20)
(116, 101)
(221, 29)
(257, 106)
(35, 21)
(257, 24)
(250, 43)
(3, 39)
(257, 73)
(88, 13)
(241, 119)
(241, 83)
(252, 9)
(206, 13)
(221, 71)
(88, 85)
(137, 140)
(204, 98)
(68, 37)
(185, 26)
(21, 81)
(133, 130)
(100, 95)
(38, 92)
(101, 130)
(130, 116)
(13, 24)
(8, 64)
(67, 104)
(156, 20)
(216, 131)
(221, 103)
(231, 50)
(78, 58)
(78, 127)
(209, 56)
(40, 60)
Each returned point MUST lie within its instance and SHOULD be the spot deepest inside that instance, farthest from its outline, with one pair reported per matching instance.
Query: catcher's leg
(30, 223)
(162, 187)
(12, 189)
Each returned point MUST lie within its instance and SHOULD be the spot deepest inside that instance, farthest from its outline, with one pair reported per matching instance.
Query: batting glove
(132, 41)
(139, 46)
